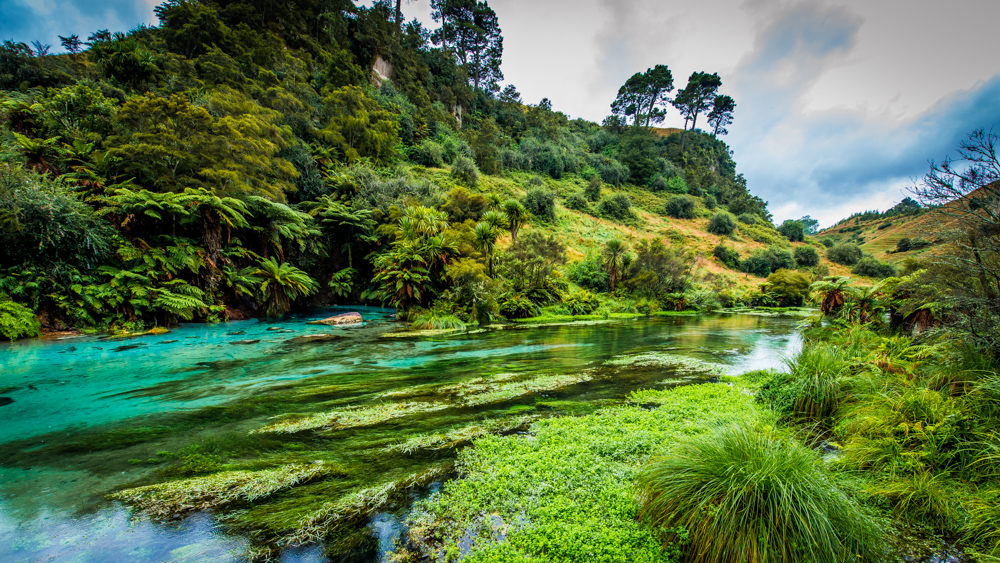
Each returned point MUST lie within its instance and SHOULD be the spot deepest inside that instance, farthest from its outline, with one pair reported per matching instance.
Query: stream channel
(84, 417)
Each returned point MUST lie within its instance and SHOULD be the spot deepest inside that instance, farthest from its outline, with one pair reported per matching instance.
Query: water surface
(91, 415)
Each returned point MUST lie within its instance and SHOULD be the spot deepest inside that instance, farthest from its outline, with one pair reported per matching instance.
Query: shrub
(722, 223)
(735, 491)
(764, 262)
(589, 273)
(658, 184)
(518, 306)
(747, 218)
(464, 170)
(616, 206)
(541, 203)
(680, 207)
(428, 153)
(711, 202)
(757, 264)
(845, 253)
(677, 185)
(827, 242)
(577, 202)
(581, 302)
(728, 256)
(793, 230)
(17, 321)
(806, 256)
(904, 244)
(791, 288)
(511, 159)
(613, 172)
(593, 189)
(871, 267)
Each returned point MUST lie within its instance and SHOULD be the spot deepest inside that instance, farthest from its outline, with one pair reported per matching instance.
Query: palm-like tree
(614, 259)
(281, 284)
(485, 239)
(516, 216)
(215, 212)
(833, 292)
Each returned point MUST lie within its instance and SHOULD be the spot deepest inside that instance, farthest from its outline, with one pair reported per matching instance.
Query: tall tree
(471, 31)
(697, 96)
(721, 114)
(643, 97)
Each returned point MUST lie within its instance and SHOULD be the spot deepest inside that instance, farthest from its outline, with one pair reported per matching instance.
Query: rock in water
(4, 401)
(345, 319)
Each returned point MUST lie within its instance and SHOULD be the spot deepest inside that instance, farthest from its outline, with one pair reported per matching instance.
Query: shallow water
(90, 416)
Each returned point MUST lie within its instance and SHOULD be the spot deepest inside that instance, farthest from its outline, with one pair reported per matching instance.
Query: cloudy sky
(840, 104)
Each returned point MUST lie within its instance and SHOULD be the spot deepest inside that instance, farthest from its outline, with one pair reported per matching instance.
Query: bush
(734, 491)
(677, 185)
(464, 170)
(806, 256)
(518, 306)
(904, 244)
(845, 253)
(871, 267)
(722, 223)
(793, 230)
(428, 153)
(658, 184)
(17, 321)
(616, 206)
(827, 242)
(454, 148)
(613, 172)
(581, 302)
(764, 262)
(680, 207)
(728, 256)
(791, 288)
(541, 203)
(747, 218)
(589, 273)
(593, 189)
(577, 202)
(711, 202)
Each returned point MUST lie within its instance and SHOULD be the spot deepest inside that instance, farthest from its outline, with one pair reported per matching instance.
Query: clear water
(87, 416)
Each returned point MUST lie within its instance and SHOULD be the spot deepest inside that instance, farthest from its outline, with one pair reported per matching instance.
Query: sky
(840, 104)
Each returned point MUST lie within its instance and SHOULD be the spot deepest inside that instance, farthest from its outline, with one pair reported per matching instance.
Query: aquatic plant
(682, 364)
(165, 500)
(749, 493)
(460, 436)
(431, 320)
(352, 417)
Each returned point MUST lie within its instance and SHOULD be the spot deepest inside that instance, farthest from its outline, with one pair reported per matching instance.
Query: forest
(246, 159)
(207, 169)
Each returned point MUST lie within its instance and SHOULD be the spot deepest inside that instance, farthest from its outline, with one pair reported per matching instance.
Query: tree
(721, 114)
(792, 230)
(471, 31)
(359, 126)
(41, 50)
(811, 225)
(697, 96)
(281, 284)
(485, 237)
(659, 269)
(614, 259)
(644, 96)
(722, 223)
(71, 43)
(792, 288)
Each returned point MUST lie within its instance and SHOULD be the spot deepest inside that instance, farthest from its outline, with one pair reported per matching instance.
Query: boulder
(336, 320)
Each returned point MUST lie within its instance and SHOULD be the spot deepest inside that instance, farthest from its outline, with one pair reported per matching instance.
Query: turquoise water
(88, 416)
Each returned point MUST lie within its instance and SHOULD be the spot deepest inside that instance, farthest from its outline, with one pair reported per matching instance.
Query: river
(83, 417)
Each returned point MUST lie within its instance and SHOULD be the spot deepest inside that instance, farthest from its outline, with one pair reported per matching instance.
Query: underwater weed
(748, 493)
(352, 417)
(164, 500)
(461, 435)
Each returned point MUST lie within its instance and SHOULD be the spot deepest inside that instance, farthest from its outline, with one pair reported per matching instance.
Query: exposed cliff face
(381, 71)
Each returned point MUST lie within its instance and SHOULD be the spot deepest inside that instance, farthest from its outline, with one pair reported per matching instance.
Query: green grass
(748, 493)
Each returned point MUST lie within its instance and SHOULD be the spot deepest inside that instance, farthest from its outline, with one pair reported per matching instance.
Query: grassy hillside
(879, 235)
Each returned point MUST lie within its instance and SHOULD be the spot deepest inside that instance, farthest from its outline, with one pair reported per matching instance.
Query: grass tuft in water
(164, 500)
(748, 493)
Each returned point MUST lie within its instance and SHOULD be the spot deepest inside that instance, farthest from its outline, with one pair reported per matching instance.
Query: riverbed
(373, 413)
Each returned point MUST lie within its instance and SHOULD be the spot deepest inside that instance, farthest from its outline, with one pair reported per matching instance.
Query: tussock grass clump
(746, 493)
(818, 371)
(352, 417)
(164, 500)
(428, 320)
(924, 497)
